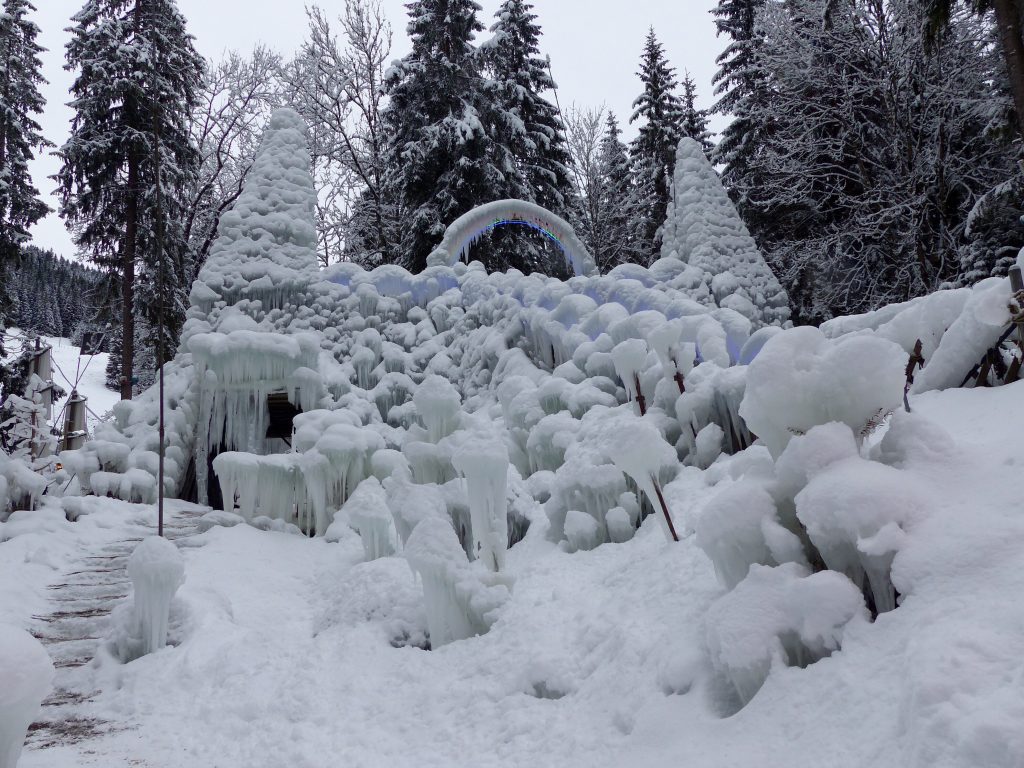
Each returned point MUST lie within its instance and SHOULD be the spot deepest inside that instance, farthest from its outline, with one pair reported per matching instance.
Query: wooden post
(1017, 307)
(915, 360)
(641, 401)
(664, 508)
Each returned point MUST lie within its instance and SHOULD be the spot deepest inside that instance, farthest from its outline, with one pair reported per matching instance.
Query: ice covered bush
(582, 531)
(801, 379)
(984, 318)
(857, 513)
(437, 403)
(739, 528)
(483, 462)
(638, 449)
(367, 511)
(805, 457)
(778, 616)
(629, 357)
(461, 600)
(19, 485)
(410, 503)
(156, 569)
(26, 674)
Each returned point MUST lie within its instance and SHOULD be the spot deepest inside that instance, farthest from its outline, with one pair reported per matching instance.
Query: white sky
(595, 48)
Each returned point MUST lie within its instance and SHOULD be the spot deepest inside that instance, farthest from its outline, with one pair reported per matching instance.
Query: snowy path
(79, 619)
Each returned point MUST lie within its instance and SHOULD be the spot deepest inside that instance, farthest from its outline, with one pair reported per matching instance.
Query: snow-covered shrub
(985, 316)
(911, 439)
(638, 450)
(956, 327)
(713, 397)
(437, 403)
(582, 531)
(412, 503)
(778, 616)
(461, 600)
(857, 513)
(801, 379)
(20, 487)
(739, 528)
(26, 672)
(156, 569)
(805, 457)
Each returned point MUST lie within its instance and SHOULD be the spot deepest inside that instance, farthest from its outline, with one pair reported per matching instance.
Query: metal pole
(160, 309)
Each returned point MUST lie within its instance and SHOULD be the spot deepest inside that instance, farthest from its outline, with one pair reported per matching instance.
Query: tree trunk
(131, 230)
(1008, 19)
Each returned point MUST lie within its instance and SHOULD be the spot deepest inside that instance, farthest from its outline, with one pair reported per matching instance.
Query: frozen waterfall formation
(479, 222)
(446, 415)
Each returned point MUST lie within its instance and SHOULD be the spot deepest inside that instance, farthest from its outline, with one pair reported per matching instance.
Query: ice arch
(471, 226)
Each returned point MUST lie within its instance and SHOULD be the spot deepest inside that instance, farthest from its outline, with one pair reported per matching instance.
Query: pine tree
(138, 74)
(694, 121)
(529, 146)
(652, 152)
(738, 89)
(20, 135)
(619, 238)
(440, 153)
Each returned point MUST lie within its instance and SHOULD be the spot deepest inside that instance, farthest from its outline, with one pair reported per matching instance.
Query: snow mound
(26, 672)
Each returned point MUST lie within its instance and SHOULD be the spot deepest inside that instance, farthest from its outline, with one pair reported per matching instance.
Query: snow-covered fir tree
(137, 78)
(652, 153)
(620, 237)
(736, 85)
(529, 138)
(440, 152)
(694, 121)
(20, 137)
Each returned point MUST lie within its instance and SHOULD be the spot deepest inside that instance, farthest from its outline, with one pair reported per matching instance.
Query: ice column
(156, 569)
(484, 462)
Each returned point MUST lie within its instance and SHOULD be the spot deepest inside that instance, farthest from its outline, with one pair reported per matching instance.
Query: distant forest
(53, 296)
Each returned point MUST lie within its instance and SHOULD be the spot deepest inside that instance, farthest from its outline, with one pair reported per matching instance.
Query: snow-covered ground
(295, 652)
(90, 373)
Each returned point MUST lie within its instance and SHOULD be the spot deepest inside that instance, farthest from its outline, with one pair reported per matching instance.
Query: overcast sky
(594, 45)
